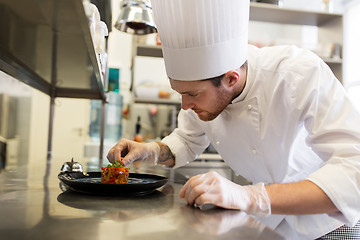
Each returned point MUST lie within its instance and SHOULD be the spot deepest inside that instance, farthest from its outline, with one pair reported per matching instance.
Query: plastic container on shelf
(101, 31)
(93, 16)
(328, 6)
(103, 56)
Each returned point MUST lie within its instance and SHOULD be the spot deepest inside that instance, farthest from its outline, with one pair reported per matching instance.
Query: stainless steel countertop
(32, 206)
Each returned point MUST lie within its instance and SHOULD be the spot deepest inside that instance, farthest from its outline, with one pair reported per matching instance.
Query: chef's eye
(192, 94)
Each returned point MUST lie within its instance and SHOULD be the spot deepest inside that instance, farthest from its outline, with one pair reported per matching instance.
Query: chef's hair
(216, 81)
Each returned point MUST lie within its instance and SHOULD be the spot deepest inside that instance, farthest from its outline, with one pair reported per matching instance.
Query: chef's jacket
(293, 121)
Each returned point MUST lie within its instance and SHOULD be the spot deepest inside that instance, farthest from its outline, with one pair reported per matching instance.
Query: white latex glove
(134, 151)
(212, 188)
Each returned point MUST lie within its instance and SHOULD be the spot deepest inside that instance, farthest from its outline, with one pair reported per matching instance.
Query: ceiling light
(135, 17)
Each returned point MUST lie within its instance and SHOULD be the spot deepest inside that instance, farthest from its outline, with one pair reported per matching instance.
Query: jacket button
(254, 151)
(217, 143)
(249, 107)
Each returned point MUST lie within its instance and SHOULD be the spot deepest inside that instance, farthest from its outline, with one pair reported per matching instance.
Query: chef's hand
(212, 188)
(133, 151)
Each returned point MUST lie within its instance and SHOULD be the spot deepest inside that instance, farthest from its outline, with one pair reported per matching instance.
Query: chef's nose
(186, 103)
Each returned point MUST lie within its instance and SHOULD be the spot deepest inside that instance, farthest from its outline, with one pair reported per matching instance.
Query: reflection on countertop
(32, 206)
(119, 208)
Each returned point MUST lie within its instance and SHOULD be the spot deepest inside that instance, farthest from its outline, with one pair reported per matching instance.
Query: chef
(277, 116)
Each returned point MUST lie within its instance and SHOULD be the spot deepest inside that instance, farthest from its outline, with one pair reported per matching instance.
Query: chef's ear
(232, 77)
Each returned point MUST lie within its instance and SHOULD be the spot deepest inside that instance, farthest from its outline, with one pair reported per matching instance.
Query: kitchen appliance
(72, 166)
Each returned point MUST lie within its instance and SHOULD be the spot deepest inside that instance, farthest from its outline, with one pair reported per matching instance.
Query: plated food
(115, 173)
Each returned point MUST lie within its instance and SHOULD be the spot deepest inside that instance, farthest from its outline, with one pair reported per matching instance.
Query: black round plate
(139, 184)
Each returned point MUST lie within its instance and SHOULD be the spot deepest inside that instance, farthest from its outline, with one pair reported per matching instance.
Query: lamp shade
(135, 17)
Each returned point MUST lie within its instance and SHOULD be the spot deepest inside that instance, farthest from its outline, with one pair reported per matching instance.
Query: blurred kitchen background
(128, 87)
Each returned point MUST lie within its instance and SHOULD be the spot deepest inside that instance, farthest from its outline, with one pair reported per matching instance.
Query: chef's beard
(221, 101)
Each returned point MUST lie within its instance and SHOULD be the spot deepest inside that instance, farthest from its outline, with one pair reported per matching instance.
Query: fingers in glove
(205, 198)
(197, 194)
(197, 186)
(208, 196)
(115, 152)
(194, 192)
(127, 160)
(135, 153)
(187, 186)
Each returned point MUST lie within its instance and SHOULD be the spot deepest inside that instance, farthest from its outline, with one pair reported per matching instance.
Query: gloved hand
(214, 189)
(134, 151)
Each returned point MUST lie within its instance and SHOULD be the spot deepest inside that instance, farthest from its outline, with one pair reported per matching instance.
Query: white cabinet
(329, 26)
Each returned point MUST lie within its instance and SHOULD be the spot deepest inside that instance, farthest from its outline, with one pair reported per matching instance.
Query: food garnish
(115, 173)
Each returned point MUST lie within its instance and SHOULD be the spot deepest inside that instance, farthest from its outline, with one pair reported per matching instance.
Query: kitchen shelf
(155, 51)
(148, 50)
(333, 60)
(210, 156)
(157, 101)
(48, 46)
(329, 26)
(272, 13)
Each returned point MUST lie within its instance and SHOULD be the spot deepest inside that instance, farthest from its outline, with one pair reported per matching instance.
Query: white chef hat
(202, 38)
